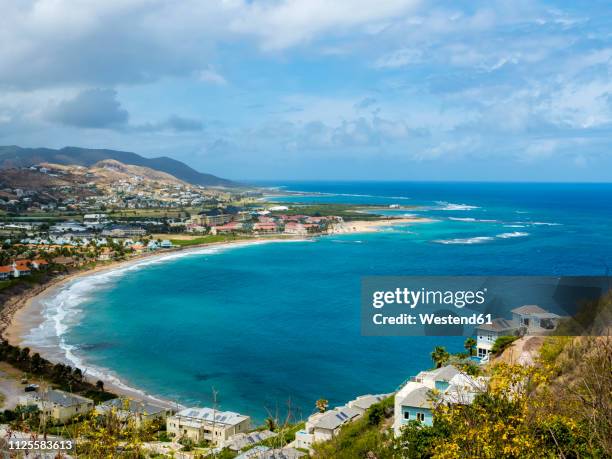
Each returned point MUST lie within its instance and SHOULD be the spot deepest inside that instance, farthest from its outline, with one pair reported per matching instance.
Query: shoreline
(24, 312)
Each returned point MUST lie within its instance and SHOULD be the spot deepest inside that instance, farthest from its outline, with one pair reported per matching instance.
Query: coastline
(24, 312)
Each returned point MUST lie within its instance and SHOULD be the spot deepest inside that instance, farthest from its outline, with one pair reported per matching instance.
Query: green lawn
(205, 240)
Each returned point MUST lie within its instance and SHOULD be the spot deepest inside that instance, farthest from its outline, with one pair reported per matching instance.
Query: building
(324, 426)
(295, 228)
(141, 412)
(437, 379)
(124, 231)
(265, 227)
(166, 244)
(206, 424)
(65, 227)
(364, 402)
(527, 319)
(534, 319)
(58, 405)
(413, 403)
(243, 440)
(416, 399)
(21, 268)
(95, 221)
(263, 452)
(6, 272)
(487, 334)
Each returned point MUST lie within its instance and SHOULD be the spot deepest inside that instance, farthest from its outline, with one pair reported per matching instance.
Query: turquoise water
(267, 323)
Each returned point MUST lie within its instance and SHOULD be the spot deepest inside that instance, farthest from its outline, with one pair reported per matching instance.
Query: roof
(134, 406)
(242, 440)
(366, 401)
(253, 453)
(445, 373)
(498, 325)
(417, 397)
(6, 269)
(210, 415)
(282, 453)
(335, 418)
(529, 309)
(59, 397)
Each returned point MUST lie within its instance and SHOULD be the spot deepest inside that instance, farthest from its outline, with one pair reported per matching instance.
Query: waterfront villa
(528, 319)
(141, 412)
(324, 426)
(415, 400)
(200, 424)
(58, 405)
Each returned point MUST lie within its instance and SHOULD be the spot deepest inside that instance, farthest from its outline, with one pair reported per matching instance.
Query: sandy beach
(369, 226)
(23, 313)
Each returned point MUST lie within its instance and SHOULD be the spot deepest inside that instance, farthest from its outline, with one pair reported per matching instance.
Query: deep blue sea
(264, 324)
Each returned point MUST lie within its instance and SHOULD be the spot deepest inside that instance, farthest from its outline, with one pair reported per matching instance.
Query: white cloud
(292, 22)
(210, 75)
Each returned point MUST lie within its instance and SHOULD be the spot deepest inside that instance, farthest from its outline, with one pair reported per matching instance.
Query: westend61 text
(431, 319)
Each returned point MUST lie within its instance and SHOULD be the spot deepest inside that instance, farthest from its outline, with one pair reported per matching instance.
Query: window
(420, 417)
(406, 415)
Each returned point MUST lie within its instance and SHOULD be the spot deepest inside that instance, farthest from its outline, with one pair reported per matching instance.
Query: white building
(415, 401)
(324, 426)
(364, 402)
(199, 424)
(527, 319)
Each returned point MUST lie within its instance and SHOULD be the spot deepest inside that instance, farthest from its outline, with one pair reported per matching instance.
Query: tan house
(206, 424)
(58, 405)
(142, 413)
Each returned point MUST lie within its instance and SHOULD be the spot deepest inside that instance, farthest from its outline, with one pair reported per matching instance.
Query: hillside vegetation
(558, 407)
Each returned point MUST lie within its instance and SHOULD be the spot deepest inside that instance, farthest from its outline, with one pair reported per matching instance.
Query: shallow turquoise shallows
(264, 324)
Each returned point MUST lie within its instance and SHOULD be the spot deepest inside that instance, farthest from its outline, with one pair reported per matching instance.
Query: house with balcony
(526, 320)
(207, 424)
(417, 398)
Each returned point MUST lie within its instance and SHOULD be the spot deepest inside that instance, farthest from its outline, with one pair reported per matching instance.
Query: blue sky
(313, 89)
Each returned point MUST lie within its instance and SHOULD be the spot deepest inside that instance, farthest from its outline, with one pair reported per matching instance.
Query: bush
(502, 343)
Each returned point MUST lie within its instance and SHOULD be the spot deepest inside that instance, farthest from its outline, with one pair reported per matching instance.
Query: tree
(440, 356)
(270, 423)
(100, 385)
(322, 405)
(469, 345)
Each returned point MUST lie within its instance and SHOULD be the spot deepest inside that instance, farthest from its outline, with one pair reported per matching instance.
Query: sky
(316, 89)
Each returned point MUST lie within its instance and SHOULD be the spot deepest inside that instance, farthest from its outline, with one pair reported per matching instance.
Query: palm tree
(270, 423)
(469, 345)
(440, 356)
(322, 405)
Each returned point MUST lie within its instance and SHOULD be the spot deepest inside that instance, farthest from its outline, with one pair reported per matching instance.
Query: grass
(204, 240)
(346, 211)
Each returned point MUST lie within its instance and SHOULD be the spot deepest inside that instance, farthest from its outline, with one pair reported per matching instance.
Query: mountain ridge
(15, 156)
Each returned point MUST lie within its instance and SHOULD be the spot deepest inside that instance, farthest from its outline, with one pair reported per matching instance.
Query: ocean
(275, 324)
